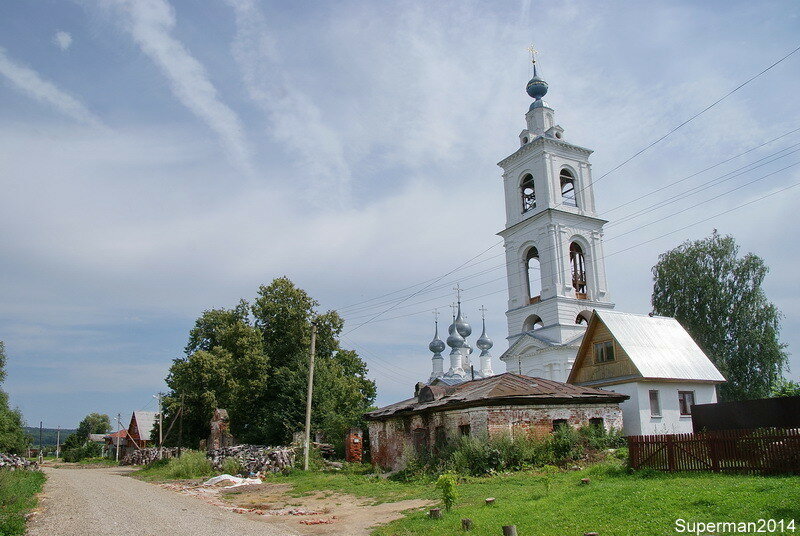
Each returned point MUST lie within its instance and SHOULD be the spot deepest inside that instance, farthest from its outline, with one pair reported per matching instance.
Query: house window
(420, 441)
(568, 188)
(655, 404)
(440, 437)
(596, 422)
(603, 351)
(528, 193)
(464, 430)
(686, 401)
(558, 423)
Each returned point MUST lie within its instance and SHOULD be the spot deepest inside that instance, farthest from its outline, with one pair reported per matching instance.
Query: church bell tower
(553, 244)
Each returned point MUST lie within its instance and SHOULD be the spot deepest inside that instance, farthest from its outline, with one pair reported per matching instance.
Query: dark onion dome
(536, 88)
(437, 345)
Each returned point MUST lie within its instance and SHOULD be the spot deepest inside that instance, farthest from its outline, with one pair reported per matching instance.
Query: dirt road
(105, 502)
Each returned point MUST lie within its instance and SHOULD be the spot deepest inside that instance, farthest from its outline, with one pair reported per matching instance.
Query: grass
(18, 491)
(191, 464)
(555, 503)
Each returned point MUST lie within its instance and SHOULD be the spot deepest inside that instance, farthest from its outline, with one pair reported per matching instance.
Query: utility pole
(309, 395)
(58, 441)
(160, 425)
(40, 442)
(119, 433)
(180, 428)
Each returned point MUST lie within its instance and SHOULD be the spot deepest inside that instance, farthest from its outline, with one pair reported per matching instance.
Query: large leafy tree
(253, 361)
(13, 438)
(94, 423)
(717, 296)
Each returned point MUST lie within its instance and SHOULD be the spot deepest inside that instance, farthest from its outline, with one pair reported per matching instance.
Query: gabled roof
(145, 420)
(658, 346)
(542, 342)
(503, 389)
(96, 438)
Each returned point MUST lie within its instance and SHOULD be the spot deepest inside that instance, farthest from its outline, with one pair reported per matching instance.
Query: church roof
(544, 342)
(658, 346)
(504, 389)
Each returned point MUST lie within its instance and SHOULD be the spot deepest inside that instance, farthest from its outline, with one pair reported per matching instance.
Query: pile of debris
(148, 455)
(325, 449)
(254, 458)
(13, 462)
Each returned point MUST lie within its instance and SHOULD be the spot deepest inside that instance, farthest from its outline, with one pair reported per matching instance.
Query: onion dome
(464, 329)
(437, 345)
(484, 342)
(455, 340)
(536, 88)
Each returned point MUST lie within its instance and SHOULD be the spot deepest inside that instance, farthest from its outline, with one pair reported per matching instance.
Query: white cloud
(62, 40)
(29, 82)
(296, 121)
(151, 23)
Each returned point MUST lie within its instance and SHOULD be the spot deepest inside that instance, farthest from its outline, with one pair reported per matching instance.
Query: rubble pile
(254, 458)
(326, 449)
(13, 462)
(148, 455)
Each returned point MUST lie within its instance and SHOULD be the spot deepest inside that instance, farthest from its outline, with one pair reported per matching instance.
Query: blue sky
(161, 158)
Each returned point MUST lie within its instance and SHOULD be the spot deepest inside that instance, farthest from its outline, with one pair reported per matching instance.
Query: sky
(160, 157)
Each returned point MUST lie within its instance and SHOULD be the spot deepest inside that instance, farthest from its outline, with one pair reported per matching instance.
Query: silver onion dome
(455, 340)
(464, 329)
(484, 343)
(437, 345)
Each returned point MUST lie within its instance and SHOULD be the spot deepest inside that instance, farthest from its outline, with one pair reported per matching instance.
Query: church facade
(553, 242)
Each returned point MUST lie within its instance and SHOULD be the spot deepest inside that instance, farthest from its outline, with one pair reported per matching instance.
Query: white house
(655, 362)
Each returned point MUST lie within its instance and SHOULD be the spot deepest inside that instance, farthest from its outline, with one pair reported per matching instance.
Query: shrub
(87, 450)
(191, 464)
(447, 483)
(232, 466)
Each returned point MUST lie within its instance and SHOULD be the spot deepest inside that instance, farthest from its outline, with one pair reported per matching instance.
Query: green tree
(257, 367)
(342, 392)
(13, 438)
(717, 296)
(785, 387)
(94, 423)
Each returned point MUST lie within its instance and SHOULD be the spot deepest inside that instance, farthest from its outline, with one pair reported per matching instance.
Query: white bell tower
(554, 245)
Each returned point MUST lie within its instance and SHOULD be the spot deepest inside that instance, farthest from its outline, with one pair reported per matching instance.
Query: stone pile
(13, 462)
(148, 455)
(325, 449)
(254, 458)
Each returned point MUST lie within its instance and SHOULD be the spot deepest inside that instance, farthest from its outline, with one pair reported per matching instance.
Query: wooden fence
(741, 451)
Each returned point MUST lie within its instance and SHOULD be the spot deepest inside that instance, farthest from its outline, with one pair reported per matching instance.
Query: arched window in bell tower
(533, 275)
(568, 188)
(528, 193)
(532, 322)
(578, 265)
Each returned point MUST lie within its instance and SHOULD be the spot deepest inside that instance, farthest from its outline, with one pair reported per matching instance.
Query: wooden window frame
(605, 344)
(682, 403)
(658, 402)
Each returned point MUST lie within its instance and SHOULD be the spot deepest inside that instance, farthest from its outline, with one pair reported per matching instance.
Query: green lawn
(18, 491)
(614, 503)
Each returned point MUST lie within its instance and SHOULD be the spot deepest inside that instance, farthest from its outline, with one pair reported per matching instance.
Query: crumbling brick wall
(393, 441)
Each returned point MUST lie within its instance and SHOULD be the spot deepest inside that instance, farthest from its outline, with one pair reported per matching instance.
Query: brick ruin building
(507, 404)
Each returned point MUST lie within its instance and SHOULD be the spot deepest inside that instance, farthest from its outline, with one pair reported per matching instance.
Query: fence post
(670, 454)
(712, 451)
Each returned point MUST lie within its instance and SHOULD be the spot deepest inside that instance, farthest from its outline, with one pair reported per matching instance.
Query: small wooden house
(139, 430)
(654, 361)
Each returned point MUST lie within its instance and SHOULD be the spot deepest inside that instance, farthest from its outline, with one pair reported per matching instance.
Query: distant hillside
(48, 435)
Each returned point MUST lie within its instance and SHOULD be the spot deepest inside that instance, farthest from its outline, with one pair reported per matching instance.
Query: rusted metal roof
(660, 347)
(502, 389)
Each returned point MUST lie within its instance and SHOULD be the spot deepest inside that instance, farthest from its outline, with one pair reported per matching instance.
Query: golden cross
(533, 53)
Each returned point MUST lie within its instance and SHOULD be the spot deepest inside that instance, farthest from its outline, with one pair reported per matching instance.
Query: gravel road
(105, 502)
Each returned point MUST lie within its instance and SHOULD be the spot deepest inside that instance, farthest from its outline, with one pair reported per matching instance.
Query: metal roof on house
(145, 421)
(503, 389)
(97, 438)
(659, 347)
